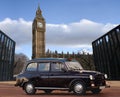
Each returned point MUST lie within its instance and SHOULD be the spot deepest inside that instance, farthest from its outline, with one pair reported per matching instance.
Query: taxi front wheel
(79, 88)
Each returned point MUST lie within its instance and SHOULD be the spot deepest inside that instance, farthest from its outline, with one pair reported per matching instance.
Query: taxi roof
(50, 59)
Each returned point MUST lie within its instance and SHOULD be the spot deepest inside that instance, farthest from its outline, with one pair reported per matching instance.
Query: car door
(31, 71)
(57, 77)
(43, 70)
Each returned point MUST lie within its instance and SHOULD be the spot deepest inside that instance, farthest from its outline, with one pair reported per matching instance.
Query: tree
(19, 62)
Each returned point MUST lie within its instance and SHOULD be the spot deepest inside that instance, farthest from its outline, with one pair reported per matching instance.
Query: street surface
(7, 90)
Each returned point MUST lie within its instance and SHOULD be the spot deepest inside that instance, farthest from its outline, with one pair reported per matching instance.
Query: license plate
(101, 87)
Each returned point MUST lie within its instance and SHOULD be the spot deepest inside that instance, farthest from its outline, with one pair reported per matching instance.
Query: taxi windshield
(74, 66)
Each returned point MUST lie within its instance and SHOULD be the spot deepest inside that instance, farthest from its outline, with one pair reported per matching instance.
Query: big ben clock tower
(38, 35)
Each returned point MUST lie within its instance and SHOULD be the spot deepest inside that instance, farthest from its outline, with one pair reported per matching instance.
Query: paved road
(11, 91)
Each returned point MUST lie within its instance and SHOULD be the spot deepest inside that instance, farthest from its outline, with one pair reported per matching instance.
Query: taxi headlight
(91, 77)
(105, 76)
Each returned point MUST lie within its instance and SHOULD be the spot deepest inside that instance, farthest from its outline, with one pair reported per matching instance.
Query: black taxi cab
(50, 74)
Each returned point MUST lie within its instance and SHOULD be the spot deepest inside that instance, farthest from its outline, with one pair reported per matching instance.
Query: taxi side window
(32, 67)
(57, 66)
(43, 67)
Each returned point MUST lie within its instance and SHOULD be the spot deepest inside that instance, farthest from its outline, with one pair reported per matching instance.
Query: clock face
(39, 24)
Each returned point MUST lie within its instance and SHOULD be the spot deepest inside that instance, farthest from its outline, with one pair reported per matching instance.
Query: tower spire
(38, 6)
(38, 12)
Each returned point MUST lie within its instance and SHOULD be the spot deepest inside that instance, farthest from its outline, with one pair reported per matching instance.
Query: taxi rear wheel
(29, 88)
(48, 91)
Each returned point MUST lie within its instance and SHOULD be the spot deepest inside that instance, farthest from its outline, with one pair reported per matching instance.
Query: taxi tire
(29, 88)
(48, 91)
(79, 88)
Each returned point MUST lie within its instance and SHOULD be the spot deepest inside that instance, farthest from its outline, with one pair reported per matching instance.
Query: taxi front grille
(99, 80)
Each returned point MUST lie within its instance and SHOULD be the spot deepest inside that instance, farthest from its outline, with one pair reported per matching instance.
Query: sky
(71, 25)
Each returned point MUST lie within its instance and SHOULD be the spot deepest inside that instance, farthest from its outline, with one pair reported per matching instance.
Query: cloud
(73, 35)
(76, 33)
(19, 30)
